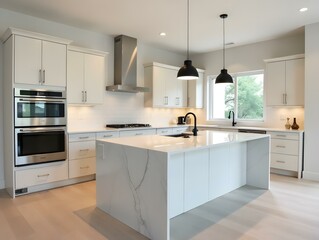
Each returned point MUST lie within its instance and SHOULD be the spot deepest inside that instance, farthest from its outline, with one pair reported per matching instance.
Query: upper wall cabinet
(285, 81)
(86, 76)
(166, 90)
(38, 59)
(195, 91)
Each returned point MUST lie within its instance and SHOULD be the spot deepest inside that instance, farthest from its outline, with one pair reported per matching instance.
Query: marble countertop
(105, 129)
(179, 144)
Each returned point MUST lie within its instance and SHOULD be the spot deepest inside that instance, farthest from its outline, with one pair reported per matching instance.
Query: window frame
(210, 98)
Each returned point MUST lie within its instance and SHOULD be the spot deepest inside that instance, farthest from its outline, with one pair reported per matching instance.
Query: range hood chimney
(125, 67)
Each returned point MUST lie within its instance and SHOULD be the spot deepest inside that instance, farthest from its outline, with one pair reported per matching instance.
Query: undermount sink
(183, 135)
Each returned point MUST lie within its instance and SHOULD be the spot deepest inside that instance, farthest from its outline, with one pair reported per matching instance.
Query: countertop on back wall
(250, 127)
(105, 129)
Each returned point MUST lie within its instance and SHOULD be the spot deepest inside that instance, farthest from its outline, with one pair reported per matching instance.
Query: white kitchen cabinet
(127, 133)
(176, 178)
(179, 130)
(41, 175)
(166, 90)
(286, 152)
(164, 131)
(38, 59)
(196, 182)
(86, 76)
(195, 91)
(108, 134)
(81, 154)
(285, 81)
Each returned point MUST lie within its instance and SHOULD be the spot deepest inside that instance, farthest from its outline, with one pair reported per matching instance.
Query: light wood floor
(289, 210)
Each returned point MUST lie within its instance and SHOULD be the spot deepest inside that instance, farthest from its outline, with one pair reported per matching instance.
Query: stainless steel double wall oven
(40, 126)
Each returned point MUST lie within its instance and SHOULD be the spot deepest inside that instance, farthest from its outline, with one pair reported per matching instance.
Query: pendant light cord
(187, 29)
(223, 43)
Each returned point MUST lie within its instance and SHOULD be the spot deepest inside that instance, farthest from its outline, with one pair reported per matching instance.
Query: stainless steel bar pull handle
(40, 76)
(86, 96)
(83, 96)
(44, 175)
(84, 150)
(43, 78)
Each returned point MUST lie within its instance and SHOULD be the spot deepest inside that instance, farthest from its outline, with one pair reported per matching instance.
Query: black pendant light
(224, 77)
(188, 71)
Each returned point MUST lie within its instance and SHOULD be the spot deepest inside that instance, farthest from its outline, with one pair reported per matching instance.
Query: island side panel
(258, 162)
(131, 186)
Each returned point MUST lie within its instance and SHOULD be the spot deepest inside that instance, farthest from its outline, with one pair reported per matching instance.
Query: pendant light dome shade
(224, 77)
(188, 71)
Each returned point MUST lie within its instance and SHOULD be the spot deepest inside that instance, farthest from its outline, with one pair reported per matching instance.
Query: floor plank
(289, 210)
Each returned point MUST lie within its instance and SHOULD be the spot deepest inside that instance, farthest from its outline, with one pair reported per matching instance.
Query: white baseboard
(311, 175)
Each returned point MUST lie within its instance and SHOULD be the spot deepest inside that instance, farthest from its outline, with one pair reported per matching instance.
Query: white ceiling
(248, 21)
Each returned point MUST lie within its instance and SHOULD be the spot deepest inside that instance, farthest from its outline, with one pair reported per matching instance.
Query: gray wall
(311, 162)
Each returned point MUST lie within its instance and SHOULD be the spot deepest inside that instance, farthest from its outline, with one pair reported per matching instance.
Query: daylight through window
(245, 97)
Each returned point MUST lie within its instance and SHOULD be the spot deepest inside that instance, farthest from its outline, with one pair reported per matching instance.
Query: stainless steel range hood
(125, 67)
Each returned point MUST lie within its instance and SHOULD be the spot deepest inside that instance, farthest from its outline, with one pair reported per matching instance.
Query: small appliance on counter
(180, 120)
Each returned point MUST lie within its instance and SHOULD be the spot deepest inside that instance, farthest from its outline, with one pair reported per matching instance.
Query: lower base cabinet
(286, 153)
(82, 167)
(196, 177)
(41, 175)
(81, 154)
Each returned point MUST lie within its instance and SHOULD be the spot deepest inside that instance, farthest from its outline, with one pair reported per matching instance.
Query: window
(245, 97)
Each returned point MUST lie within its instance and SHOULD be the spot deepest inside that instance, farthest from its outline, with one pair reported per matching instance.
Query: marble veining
(135, 187)
(144, 187)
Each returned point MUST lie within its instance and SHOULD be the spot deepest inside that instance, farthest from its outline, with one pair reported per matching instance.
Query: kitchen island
(145, 181)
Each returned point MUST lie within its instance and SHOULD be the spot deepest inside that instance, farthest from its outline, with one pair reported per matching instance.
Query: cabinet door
(75, 86)
(94, 78)
(195, 92)
(159, 96)
(196, 183)
(27, 56)
(181, 93)
(78, 150)
(171, 86)
(54, 64)
(41, 175)
(275, 83)
(82, 167)
(295, 84)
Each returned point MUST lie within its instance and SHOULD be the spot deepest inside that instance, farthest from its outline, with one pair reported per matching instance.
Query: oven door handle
(42, 130)
(40, 100)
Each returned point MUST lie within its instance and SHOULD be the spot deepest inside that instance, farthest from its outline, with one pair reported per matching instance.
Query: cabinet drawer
(290, 147)
(82, 167)
(102, 135)
(179, 130)
(282, 135)
(81, 149)
(81, 137)
(40, 175)
(286, 162)
(137, 132)
(164, 131)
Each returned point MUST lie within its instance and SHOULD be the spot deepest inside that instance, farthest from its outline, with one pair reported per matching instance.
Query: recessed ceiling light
(162, 34)
(303, 9)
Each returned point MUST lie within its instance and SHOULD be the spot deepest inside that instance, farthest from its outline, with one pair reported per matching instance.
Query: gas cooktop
(129, 125)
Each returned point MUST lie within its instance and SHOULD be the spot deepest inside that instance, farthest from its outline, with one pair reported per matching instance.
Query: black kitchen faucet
(195, 130)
